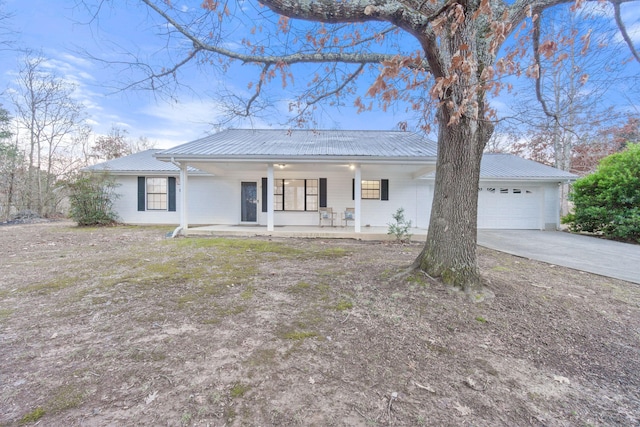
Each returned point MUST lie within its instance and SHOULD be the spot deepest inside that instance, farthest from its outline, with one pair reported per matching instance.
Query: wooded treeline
(46, 139)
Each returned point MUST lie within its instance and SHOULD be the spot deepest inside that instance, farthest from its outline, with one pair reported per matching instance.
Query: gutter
(306, 159)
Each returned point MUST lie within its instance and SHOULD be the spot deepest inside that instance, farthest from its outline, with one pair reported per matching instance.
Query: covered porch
(299, 231)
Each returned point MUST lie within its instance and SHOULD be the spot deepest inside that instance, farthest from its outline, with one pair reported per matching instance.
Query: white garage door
(509, 207)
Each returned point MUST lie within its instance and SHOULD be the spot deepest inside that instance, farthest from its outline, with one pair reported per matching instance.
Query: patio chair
(349, 214)
(326, 215)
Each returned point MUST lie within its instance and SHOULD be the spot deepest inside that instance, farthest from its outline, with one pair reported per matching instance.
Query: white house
(286, 177)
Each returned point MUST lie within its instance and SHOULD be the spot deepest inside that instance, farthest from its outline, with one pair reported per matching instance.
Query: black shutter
(264, 194)
(384, 189)
(141, 193)
(353, 189)
(323, 192)
(172, 194)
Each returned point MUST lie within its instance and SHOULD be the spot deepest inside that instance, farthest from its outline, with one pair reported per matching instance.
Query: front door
(249, 200)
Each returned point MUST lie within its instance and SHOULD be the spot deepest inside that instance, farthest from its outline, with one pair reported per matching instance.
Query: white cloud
(185, 112)
(76, 60)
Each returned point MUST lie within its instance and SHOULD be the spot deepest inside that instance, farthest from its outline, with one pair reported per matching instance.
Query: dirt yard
(121, 326)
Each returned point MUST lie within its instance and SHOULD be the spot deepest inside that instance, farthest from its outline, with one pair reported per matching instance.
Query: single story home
(320, 177)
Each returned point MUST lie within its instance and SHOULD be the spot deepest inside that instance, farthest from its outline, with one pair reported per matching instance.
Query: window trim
(170, 192)
(158, 186)
(279, 194)
(383, 189)
(370, 189)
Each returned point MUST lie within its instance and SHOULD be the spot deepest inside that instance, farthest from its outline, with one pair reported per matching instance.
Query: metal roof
(144, 161)
(260, 144)
(511, 166)
(264, 144)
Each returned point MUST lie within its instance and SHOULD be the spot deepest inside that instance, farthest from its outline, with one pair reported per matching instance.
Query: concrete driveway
(599, 256)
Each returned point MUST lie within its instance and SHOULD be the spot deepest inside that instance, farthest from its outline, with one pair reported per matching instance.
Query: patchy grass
(239, 390)
(262, 357)
(248, 293)
(299, 335)
(32, 416)
(418, 278)
(64, 398)
(343, 305)
(133, 328)
(55, 285)
(5, 314)
(299, 288)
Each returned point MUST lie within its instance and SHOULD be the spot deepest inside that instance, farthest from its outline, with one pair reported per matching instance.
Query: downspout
(178, 229)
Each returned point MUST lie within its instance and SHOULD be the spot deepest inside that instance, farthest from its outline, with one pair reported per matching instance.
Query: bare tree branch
(538, 72)
(258, 89)
(6, 33)
(623, 29)
(338, 89)
(296, 58)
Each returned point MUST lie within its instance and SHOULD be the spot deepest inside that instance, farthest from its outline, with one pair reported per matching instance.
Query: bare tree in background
(116, 144)
(10, 160)
(47, 116)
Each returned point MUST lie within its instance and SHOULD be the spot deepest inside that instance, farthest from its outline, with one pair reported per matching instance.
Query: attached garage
(510, 207)
(515, 193)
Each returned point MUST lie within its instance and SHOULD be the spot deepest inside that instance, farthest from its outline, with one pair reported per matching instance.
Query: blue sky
(61, 32)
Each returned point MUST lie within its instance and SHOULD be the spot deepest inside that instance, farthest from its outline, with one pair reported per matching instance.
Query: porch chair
(349, 214)
(326, 214)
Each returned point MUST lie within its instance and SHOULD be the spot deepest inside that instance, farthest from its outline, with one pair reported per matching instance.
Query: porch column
(357, 198)
(184, 223)
(270, 197)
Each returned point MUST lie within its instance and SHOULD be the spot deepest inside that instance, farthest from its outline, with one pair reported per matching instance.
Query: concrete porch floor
(326, 232)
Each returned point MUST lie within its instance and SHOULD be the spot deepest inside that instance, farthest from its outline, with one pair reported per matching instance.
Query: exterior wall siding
(552, 207)
(217, 200)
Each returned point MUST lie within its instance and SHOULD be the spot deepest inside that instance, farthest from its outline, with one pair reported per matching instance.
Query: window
(370, 190)
(157, 194)
(295, 195)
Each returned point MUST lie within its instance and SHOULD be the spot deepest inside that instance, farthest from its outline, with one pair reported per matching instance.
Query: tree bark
(450, 250)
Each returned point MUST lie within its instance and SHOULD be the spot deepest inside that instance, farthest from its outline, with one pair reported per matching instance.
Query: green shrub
(400, 228)
(607, 202)
(91, 199)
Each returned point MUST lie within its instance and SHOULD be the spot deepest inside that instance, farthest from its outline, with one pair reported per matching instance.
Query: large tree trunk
(450, 250)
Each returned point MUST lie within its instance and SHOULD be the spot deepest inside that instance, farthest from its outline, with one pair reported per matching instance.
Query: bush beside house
(91, 199)
(607, 202)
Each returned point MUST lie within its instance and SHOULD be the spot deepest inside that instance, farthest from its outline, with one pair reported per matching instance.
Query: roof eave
(519, 179)
(296, 159)
(530, 178)
(144, 172)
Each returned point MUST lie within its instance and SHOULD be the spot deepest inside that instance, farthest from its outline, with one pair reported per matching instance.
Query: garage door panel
(509, 207)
